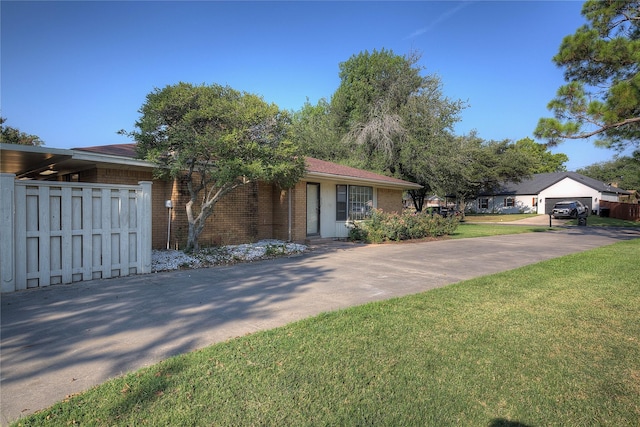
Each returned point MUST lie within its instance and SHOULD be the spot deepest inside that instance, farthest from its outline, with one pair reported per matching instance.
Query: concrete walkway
(64, 339)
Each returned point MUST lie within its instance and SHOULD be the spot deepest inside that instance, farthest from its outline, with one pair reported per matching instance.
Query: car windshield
(563, 205)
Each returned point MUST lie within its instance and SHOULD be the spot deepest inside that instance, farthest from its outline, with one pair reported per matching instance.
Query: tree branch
(602, 129)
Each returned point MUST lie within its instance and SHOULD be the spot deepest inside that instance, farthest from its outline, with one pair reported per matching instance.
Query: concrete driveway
(64, 339)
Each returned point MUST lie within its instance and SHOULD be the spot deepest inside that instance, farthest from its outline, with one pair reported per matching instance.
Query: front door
(313, 209)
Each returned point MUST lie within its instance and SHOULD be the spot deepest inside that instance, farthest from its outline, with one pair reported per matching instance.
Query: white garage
(539, 193)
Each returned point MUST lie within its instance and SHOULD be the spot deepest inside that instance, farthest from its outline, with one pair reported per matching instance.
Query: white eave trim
(106, 158)
(35, 149)
(377, 182)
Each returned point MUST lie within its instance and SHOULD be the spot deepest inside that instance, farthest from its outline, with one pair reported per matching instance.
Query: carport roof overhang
(31, 162)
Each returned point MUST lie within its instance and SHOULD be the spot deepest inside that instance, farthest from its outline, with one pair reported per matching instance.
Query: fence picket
(67, 235)
(44, 240)
(20, 243)
(625, 211)
(67, 232)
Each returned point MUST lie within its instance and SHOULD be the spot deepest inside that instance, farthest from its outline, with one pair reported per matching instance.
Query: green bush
(383, 227)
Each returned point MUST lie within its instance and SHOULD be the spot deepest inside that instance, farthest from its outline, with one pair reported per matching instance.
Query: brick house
(321, 205)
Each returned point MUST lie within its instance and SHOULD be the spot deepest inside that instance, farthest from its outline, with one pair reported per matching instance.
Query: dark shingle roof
(542, 181)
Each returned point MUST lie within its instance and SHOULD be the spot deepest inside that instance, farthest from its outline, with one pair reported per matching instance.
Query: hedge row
(382, 226)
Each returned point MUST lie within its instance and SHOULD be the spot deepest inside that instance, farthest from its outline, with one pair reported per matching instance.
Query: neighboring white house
(539, 193)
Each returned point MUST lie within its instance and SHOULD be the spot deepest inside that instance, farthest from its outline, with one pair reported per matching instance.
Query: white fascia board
(105, 158)
(354, 180)
(35, 149)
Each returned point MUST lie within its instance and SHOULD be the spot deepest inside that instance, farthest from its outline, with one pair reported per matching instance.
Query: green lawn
(552, 344)
(466, 230)
(497, 217)
(596, 221)
(592, 220)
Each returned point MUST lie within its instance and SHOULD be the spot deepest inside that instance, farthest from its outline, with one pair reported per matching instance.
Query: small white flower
(173, 260)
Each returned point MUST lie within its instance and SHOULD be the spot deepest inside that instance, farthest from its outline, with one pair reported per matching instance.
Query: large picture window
(353, 202)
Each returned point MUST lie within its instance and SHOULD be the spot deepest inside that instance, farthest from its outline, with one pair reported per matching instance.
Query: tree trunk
(193, 234)
(197, 224)
(417, 196)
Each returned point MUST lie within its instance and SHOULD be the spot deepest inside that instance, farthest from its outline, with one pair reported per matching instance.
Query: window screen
(341, 202)
(353, 202)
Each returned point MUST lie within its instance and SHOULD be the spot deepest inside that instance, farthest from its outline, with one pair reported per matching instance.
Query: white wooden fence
(57, 232)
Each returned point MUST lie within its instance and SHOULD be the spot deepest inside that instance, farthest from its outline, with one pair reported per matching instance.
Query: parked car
(569, 209)
(448, 211)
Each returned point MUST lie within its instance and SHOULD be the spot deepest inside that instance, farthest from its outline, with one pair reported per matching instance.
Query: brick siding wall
(390, 200)
(252, 212)
(235, 219)
(120, 176)
(280, 218)
(299, 212)
(247, 214)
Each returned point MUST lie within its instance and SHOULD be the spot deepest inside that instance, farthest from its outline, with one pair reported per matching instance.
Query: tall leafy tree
(313, 131)
(602, 68)
(394, 119)
(478, 166)
(425, 154)
(367, 106)
(623, 171)
(542, 160)
(216, 139)
(11, 135)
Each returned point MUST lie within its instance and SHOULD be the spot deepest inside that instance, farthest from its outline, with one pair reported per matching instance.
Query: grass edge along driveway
(555, 343)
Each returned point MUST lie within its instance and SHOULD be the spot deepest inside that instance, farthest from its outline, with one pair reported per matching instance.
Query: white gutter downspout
(289, 221)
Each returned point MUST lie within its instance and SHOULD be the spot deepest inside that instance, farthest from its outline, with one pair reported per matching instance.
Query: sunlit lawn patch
(497, 217)
(466, 230)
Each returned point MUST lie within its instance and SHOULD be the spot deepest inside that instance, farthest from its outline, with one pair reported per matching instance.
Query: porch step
(316, 240)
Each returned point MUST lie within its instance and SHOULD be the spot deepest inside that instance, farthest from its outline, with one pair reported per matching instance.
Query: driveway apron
(64, 339)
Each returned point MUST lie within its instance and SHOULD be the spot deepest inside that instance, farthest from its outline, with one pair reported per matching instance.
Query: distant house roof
(539, 182)
(315, 168)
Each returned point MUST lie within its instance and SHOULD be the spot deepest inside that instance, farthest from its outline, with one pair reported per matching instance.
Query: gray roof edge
(595, 184)
(109, 158)
(405, 185)
(540, 182)
(36, 149)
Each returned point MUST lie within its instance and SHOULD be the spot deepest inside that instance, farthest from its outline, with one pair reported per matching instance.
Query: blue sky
(74, 73)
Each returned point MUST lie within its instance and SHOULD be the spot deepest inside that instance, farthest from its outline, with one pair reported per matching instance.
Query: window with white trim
(483, 203)
(509, 202)
(353, 202)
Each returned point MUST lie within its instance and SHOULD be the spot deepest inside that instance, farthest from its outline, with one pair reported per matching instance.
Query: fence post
(145, 218)
(7, 241)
